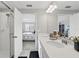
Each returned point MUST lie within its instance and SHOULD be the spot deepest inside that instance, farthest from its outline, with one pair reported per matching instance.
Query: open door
(17, 33)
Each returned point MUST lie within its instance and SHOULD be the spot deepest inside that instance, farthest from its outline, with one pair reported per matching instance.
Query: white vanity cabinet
(41, 50)
(55, 49)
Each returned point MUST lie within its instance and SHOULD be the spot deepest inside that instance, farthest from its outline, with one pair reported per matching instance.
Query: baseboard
(28, 40)
(12, 56)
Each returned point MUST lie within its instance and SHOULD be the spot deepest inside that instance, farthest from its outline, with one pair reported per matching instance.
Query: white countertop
(57, 52)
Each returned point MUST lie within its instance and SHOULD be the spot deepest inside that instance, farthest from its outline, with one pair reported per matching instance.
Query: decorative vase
(76, 46)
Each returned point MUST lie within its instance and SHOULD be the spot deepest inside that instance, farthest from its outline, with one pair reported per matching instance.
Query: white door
(17, 33)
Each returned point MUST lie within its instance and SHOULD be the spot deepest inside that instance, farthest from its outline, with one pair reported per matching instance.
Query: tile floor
(27, 47)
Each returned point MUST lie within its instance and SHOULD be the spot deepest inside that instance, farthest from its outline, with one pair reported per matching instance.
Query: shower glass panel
(6, 32)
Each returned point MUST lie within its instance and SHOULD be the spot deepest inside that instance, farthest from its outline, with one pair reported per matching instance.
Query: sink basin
(56, 44)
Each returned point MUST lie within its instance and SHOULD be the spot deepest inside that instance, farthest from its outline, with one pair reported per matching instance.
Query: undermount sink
(56, 44)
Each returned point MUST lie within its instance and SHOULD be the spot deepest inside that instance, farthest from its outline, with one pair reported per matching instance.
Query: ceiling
(61, 5)
(3, 7)
(36, 5)
(42, 5)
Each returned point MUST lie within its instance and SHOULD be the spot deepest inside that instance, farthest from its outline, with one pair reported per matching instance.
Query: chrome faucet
(64, 41)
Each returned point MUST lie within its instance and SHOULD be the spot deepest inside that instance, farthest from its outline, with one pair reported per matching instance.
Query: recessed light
(28, 5)
(68, 6)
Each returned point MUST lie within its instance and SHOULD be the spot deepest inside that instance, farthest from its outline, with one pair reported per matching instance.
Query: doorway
(28, 34)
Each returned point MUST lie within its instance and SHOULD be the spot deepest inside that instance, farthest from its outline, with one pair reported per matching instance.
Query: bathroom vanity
(55, 48)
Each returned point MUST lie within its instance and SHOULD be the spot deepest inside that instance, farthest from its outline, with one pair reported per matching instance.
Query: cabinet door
(39, 49)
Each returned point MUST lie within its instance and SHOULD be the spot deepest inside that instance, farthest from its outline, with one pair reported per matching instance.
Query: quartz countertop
(58, 51)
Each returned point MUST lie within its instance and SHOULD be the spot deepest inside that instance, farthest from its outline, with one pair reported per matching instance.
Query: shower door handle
(14, 37)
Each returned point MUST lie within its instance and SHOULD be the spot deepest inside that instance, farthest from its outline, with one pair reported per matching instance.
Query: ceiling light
(68, 6)
(28, 5)
(51, 8)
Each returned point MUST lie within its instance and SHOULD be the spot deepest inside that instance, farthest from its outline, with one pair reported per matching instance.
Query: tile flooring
(27, 47)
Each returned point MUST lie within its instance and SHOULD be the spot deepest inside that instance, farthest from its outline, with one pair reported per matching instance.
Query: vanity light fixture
(51, 8)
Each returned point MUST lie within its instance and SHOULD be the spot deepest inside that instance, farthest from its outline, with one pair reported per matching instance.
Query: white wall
(52, 23)
(17, 32)
(28, 18)
(64, 19)
(74, 25)
(47, 22)
(42, 23)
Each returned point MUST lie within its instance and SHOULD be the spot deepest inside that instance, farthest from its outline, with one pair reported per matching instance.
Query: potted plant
(76, 43)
